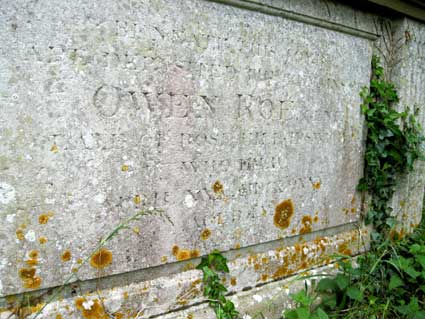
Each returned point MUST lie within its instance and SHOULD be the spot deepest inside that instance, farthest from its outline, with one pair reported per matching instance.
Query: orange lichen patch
(397, 235)
(30, 280)
(307, 222)
(293, 231)
(137, 199)
(317, 185)
(42, 240)
(125, 295)
(315, 219)
(189, 316)
(205, 234)
(164, 259)
(101, 259)
(124, 168)
(283, 214)
(31, 262)
(175, 250)
(194, 253)
(183, 254)
(20, 234)
(281, 272)
(264, 277)
(44, 218)
(218, 187)
(344, 250)
(118, 315)
(91, 309)
(54, 148)
(233, 281)
(66, 256)
(58, 316)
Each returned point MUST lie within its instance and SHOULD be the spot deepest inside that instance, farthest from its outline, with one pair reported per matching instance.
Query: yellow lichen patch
(237, 246)
(33, 258)
(30, 280)
(91, 309)
(264, 277)
(306, 222)
(58, 316)
(137, 199)
(175, 250)
(66, 256)
(125, 295)
(118, 315)
(54, 148)
(136, 230)
(44, 218)
(190, 316)
(316, 185)
(233, 281)
(124, 168)
(194, 253)
(101, 259)
(164, 259)
(218, 187)
(205, 234)
(42, 240)
(283, 214)
(344, 250)
(188, 266)
(79, 261)
(20, 234)
(183, 254)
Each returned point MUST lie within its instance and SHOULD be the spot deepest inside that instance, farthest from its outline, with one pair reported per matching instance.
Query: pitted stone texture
(109, 107)
(409, 76)
(174, 292)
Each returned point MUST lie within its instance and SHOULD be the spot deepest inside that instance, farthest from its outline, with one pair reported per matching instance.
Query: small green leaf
(395, 282)
(354, 293)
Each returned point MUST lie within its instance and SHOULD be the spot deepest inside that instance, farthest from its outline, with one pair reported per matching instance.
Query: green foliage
(394, 142)
(214, 290)
(389, 280)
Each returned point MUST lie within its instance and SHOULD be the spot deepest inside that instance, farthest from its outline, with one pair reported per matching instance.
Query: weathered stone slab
(219, 116)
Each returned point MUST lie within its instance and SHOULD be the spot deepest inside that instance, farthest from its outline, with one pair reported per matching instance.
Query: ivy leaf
(326, 284)
(342, 281)
(354, 293)
(303, 313)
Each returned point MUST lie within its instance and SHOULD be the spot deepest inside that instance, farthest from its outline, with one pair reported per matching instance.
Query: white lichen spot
(88, 304)
(7, 193)
(189, 201)
(10, 218)
(30, 236)
(257, 298)
(305, 250)
(100, 198)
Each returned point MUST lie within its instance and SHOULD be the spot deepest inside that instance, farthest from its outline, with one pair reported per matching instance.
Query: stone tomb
(243, 128)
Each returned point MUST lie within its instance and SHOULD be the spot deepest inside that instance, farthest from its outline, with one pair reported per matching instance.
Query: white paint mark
(189, 201)
(7, 193)
(30, 236)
